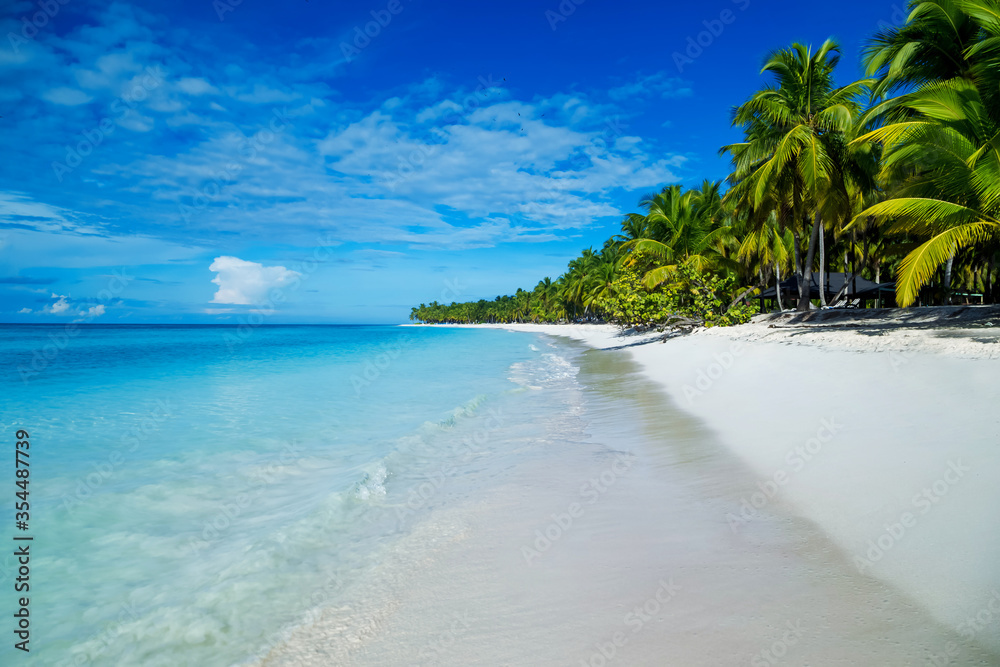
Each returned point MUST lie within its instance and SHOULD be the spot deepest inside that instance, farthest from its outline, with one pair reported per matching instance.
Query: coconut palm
(795, 133)
(931, 46)
(941, 165)
(682, 228)
(948, 170)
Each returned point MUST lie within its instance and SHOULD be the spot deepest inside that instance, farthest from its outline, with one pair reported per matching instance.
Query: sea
(199, 492)
(400, 495)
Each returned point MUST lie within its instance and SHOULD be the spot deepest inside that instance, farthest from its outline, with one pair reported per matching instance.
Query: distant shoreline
(969, 332)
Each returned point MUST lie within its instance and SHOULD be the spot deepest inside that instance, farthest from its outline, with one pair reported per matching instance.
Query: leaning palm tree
(941, 139)
(931, 46)
(793, 130)
(948, 167)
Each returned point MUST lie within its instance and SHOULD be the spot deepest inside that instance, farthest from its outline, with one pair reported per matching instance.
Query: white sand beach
(761, 496)
(888, 440)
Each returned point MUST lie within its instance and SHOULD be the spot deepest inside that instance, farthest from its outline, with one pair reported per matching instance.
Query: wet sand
(629, 544)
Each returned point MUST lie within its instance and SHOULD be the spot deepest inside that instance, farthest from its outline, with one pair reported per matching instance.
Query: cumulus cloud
(24, 311)
(245, 283)
(59, 307)
(93, 311)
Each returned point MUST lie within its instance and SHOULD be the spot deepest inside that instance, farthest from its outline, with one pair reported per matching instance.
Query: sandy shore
(779, 493)
(886, 437)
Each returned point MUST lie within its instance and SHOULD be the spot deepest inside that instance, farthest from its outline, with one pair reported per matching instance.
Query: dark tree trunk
(946, 295)
(806, 281)
(988, 296)
(822, 266)
(777, 285)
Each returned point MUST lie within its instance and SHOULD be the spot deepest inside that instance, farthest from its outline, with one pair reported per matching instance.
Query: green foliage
(899, 172)
(688, 297)
(629, 302)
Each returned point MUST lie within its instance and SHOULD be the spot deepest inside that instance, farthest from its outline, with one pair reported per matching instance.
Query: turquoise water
(196, 490)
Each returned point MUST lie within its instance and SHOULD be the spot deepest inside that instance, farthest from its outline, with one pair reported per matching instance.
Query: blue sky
(308, 161)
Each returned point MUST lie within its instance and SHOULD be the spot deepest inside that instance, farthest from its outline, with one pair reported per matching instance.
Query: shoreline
(968, 332)
(887, 442)
(607, 539)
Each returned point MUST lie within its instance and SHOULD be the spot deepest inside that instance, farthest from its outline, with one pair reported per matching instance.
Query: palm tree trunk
(797, 253)
(947, 279)
(777, 285)
(806, 282)
(822, 266)
(988, 280)
(878, 281)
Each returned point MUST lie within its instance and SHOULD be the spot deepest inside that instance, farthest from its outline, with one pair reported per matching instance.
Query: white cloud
(245, 283)
(545, 166)
(70, 97)
(658, 84)
(93, 311)
(262, 94)
(196, 86)
(136, 122)
(46, 235)
(59, 307)
(24, 311)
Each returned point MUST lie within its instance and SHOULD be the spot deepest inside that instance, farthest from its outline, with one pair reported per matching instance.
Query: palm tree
(764, 246)
(953, 201)
(681, 228)
(940, 139)
(932, 46)
(795, 132)
(603, 276)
